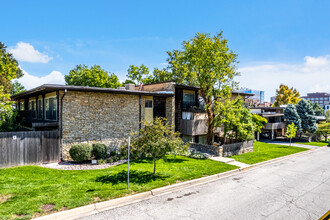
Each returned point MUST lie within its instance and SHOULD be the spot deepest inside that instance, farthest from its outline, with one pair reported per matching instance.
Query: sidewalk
(230, 161)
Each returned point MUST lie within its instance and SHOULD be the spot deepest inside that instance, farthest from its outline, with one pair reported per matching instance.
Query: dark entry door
(159, 107)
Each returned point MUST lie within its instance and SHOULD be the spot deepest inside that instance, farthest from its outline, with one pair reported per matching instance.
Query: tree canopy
(327, 115)
(95, 76)
(207, 62)
(9, 69)
(307, 116)
(291, 131)
(286, 95)
(319, 111)
(291, 116)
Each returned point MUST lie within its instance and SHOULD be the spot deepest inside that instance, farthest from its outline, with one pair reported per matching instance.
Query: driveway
(295, 188)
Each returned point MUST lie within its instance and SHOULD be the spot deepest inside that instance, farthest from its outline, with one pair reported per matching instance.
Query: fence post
(128, 153)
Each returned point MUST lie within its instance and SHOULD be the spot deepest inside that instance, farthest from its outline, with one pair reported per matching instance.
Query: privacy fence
(30, 147)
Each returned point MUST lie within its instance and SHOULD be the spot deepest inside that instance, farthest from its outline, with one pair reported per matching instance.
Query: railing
(273, 126)
(194, 127)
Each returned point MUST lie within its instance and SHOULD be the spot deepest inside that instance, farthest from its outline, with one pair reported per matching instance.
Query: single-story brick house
(90, 114)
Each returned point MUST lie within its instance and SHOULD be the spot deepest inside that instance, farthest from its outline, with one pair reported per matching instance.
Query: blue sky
(276, 41)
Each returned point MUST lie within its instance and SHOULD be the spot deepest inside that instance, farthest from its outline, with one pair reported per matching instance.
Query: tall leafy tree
(16, 88)
(307, 116)
(95, 76)
(291, 116)
(139, 74)
(286, 95)
(207, 62)
(9, 69)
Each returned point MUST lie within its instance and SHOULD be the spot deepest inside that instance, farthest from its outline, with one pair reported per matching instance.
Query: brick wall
(98, 117)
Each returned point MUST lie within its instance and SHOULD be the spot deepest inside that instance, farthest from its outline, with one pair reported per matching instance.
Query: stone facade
(90, 117)
(226, 150)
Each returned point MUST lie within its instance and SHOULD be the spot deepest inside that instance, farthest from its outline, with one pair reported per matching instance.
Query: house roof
(54, 87)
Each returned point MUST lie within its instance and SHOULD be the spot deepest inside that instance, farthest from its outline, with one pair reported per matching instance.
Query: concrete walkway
(230, 161)
(293, 144)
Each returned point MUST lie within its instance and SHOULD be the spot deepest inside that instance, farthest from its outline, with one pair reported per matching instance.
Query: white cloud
(30, 81)
(312, 75)
(25, 52)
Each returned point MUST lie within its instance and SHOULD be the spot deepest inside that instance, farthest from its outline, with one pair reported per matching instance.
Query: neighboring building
(275, 126)
(321, 98)
(257, 98)
(272, 99)
(265, 104)
(90, 114)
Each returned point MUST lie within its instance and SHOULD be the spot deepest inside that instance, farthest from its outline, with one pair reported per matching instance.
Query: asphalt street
(295, 188)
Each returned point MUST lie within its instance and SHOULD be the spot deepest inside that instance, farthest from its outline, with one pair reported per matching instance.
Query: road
(295, 188)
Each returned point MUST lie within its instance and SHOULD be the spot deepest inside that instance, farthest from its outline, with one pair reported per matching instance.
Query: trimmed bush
(81, 152)
(113, 153)
(99, 151)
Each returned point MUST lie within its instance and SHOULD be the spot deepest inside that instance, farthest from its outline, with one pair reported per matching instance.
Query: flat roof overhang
(53, 87)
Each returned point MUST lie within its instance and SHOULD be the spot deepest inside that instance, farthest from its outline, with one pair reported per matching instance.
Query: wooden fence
(30, 147)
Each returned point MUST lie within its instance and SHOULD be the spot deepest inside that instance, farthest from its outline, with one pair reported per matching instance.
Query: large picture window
(51, 108)
(188, 100)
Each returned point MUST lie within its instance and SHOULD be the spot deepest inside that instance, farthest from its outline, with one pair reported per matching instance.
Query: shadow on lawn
(135, 176)
(173, 160)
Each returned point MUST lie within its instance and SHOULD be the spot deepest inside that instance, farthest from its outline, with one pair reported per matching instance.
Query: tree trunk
(290, 141)
(210, 128)
(155, 165)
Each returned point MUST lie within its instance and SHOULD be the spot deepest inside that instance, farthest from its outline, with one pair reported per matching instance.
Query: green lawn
(318, 143)
(32, 191)
(264, 151)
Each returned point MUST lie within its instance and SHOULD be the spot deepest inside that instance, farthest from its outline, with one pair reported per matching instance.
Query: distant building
(272, 99)
(259, 96)
(265, 104)
(321, 98)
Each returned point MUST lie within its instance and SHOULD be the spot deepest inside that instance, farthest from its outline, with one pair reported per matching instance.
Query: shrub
(102, 161)
(110, 160)
(113, 153)
(81, 152)
(99, 151)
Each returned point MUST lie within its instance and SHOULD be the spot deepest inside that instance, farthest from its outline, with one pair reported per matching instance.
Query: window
(40, 108)
(148, 104)
(51, 108)
(188, 100)
(32, 108)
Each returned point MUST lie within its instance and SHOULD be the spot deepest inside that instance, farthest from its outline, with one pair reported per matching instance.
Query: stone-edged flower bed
(80, 166)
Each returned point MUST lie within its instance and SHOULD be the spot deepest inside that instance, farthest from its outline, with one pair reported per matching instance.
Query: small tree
(291, 116)
(324, 130)
(327, 115)
(235, 118)
(291, 131)
(158, 138)
(259, 122)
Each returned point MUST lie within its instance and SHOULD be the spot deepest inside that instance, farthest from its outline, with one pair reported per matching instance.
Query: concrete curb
(115, 203)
